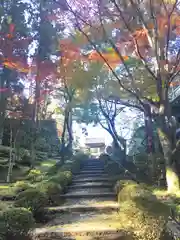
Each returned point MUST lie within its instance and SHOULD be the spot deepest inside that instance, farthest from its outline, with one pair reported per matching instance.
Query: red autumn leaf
(4, 89)
(11, 28)
(46, 91)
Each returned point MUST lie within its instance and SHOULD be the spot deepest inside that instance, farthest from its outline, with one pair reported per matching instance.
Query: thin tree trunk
(150, 142)
(69, 128)
(10, 166)
(63, 147)
(4, 83)
(121, 141)
(172, 178)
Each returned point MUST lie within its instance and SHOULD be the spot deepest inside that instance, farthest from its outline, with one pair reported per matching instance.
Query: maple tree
(119, 33)
(14, 43)
(73, 90)
(25, 29)
(98, 109)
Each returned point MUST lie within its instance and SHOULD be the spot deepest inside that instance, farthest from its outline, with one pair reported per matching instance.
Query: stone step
(94, 179)
(81, 226)
(93, 164)
(90, 185)
(94, 175)
(88, 195)
(90, 190)
(86, 207)
(93, 160)
(94, 171)
(104, 234)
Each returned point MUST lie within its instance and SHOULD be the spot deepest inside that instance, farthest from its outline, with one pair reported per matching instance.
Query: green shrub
(146, 219)
(63, 178)
(130, 190)
(3, 206)
(52, 191)
(141, 212)
(76, 166)
(15, 222)
(53, 170)
(42, 145)
(35, 175)
(33, 199)
(51, 188)
(66, 167)
(20, 186)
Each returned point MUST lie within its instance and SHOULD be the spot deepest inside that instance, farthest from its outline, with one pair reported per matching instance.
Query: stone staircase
(90, 208)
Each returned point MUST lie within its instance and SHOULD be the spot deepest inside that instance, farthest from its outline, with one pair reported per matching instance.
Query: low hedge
(34, 200)
(129, 189)
(20, 186)
(62, 178)
(35, 175)
(52, 190)
(15, 223)
(141, 213)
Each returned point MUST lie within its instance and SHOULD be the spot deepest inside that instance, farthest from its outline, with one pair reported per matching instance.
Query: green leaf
(9, 19)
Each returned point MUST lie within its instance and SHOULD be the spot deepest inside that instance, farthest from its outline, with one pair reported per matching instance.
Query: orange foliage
(69, 52)
(141, 37)
(20, 66)
(8, 43)
(162, 24)
(112, 58)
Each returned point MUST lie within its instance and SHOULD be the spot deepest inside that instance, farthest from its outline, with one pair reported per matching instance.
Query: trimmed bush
(76, 166)
(20, 186)
(63, 178)
(53, 170)
(51, 188)
(15, 222)
(66, 167)
(146, 219)
(3, 206)
(131, 190)
(35, 175)
(52, 191)
(33, 199)
(141, 212)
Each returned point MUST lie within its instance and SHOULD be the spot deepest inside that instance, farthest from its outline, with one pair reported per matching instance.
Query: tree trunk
(150, 142)
(10, 166)
(4, 83)
(172, 178)
(119, 140)
(63, 147)
(69, 128)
